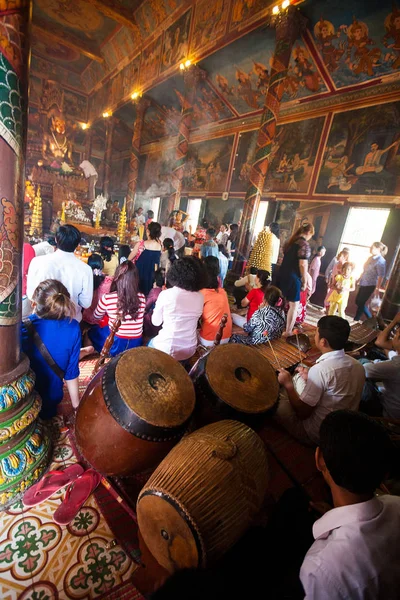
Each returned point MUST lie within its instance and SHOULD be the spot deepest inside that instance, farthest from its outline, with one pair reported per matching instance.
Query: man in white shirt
(356, 552)
(139, 216)
(176, 236)
(335, 382)
(64, 266)
(46, 247)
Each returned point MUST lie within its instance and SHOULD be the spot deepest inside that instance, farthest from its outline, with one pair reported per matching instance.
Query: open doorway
(260, 220)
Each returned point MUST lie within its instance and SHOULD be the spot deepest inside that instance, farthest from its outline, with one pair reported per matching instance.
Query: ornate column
(391, 300)
(191, 77)
(88, 143)
(289, 25)
(24, 449)
(110, 124)
(141, 106)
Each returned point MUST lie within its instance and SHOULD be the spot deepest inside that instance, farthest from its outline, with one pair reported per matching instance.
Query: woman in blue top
(60, 333)
(371, 278)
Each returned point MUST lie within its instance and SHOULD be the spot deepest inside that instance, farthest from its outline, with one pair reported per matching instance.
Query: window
(155, 207)
(363, 227)
(260, 220)
(193, 210)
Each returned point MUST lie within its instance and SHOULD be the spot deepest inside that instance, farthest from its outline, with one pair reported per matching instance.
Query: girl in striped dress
(124, 301)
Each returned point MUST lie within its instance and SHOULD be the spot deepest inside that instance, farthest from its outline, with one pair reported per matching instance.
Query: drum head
(155, 387)
(242, 378)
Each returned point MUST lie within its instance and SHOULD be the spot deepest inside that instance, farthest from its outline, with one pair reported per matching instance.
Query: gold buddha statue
(57, 149)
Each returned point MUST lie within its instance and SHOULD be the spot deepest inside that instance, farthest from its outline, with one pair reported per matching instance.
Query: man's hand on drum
(284, 378)
(302, 371)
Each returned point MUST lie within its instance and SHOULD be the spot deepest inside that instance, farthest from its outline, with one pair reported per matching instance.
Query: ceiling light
(188, 63)
(84, 126)
(181, 66)
(106, 114)
(275, 10)
(134, 95)
(285, 4)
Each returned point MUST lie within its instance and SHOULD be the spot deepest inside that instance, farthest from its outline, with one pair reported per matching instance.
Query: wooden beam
(119, 14)
(58, 34)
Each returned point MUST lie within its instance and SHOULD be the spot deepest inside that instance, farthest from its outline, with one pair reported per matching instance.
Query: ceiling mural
(357, 42)
(152, 13)
(66, 57)
(209, 24)
(118, 47)
(176, 42)
(209, 107)
(362, 156)
(207, 165)
(150, 65)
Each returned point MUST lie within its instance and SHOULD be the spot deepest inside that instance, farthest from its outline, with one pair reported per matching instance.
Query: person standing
(209, 248)
(222, 235)
(292, 278)
(371, 279)
(146, 255)
(65, 267)
(140, 218)
(276, 245)
(232, 241)
(315, 267)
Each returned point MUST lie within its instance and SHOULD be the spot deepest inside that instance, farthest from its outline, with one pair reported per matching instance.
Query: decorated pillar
(110, 124)
(88, 143)
(391, 300)
(289, 25)
(141, 106)
(24, 448)
(191, 77)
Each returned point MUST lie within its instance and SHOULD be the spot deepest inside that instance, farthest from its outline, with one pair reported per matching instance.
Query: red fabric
(28, 253)
(255, 297)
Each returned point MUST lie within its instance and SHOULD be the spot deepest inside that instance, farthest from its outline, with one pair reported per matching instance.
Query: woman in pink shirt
(315, 267)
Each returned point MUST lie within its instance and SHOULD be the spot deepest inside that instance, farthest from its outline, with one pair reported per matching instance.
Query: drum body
(237, 382)
(24, 445)
(133, 412)
(203, 496)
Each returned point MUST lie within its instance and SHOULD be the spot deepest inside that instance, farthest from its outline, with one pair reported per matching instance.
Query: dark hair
(204, 223)
(223, 250)
(234, 232)
(356, 450)
(53, 301)
(211, 232)
(150, 214)
(159, 277)
(347, 264)
(253, 270)
(187, 273)
(334, 330)
(320, 248)
(106, 248)
(68, 238)
(168, 245)
(126, 284)
(383, 249)
(274, 228)
(211, 265)
(52, 241)
(154, 230)
(302, 230)
(264, 278)
(96, 262)
(343, 252)
(123, 252)
(185, 232)
(272, 295)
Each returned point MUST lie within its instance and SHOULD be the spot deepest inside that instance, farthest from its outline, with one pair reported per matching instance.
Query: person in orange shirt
(215, 306)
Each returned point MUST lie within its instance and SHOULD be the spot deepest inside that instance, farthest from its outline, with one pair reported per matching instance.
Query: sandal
(50, 483)
(76, 495)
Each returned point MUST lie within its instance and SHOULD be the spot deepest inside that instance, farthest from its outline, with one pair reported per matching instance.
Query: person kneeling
(335, 382)
(268, 322)
(356, 553)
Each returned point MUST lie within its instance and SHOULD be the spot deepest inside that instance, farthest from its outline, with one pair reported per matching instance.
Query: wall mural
(243, 161)
(176, 42)
(150, 61)
(244, 10)
(152, 13)
(118, 47)
(357, 41)
(75, 105)
(155, 172)
(157, 125)
(210, 23)
(209, 107)
(240, 71)
(362, 153)
(207, 165)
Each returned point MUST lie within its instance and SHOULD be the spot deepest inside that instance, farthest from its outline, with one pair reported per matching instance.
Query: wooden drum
(236, 382)
(134, 411)
(203, 496)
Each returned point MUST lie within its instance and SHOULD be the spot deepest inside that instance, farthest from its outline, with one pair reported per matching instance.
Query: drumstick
(296, 331)
(273, 351)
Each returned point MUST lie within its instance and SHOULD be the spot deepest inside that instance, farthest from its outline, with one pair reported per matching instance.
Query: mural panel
(150, 61)
(210, 23)
(244, 10)
(207, 165)
(152, 13)
(157, 125)
(240, 71)
(357, 40)
(155, 172)
(243, 161)
(75, 105)
(209, 107)
(176, 42)
(64, 56)
(362, 153)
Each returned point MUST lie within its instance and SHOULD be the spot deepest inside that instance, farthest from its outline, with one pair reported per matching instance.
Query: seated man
(356, 553)
(335, 382)
(387, 371)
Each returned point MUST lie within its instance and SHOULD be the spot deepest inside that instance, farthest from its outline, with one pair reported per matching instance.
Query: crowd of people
(173, 302)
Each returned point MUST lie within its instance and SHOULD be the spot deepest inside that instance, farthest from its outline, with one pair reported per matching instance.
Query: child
(101, 286)
(123, 253)
(269, 320)
(254, 298)
(343, 285)
(168, 255)
(125, 302)
(53, 321)
(108, 256)
(150, 330)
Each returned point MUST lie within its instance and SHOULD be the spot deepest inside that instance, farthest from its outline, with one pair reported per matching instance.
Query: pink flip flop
(76, 495)
(51, 482)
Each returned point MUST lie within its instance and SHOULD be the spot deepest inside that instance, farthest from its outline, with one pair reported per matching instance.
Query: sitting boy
(356, 552)
(335, 382)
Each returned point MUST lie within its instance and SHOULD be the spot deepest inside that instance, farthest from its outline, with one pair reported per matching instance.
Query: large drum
(203, 496)
(235, 382)
(25, 447)
(134, 411)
